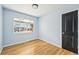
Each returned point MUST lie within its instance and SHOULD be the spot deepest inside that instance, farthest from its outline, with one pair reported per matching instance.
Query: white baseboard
(17, 43)
(32, 39)
(52, 43)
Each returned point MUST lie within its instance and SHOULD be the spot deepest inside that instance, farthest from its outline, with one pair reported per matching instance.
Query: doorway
(70, 31)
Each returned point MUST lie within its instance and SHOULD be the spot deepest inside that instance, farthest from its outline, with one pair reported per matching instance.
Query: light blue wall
(11, 38)
(50, 29)
(1, 34)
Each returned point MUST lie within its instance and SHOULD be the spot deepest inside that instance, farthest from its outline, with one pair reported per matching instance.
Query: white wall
(10, 37)
(1, 35)
(50, 24)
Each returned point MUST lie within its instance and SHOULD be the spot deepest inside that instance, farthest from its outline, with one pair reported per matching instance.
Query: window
(23, 25)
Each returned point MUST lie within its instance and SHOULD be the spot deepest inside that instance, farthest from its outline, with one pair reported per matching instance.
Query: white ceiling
(27, 8)
(42, 9)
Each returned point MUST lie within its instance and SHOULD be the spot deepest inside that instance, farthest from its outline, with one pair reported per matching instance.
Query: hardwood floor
(35, 47)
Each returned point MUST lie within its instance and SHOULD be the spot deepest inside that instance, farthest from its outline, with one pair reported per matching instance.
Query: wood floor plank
(35, 47)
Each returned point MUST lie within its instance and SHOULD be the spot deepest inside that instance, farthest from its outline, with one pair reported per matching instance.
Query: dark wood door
(70, 31)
